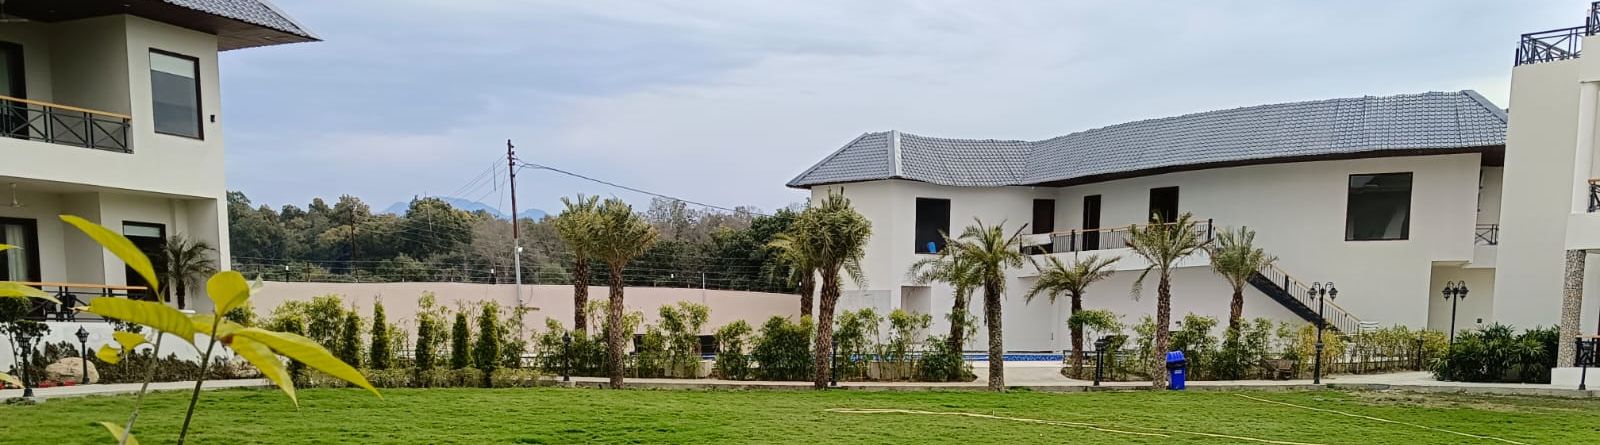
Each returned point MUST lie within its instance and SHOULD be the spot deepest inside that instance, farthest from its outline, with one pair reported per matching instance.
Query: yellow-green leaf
(117, 432)
(228, 290)
(129, 340)
(108, 354)
(202, 325)
(4, 247)
(119, 246)
(267, 361)
(8, 378)
(15, 289)
(304, 350)
(149, 313)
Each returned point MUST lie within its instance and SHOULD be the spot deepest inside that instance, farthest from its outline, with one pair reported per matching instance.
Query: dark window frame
(157, 262)
(32, 249)
(1177, 208)
(199, 97)
(1049, 221)
(916, 232)
(1405, 230)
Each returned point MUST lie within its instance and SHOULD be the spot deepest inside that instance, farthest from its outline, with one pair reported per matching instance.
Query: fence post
(1072, 241)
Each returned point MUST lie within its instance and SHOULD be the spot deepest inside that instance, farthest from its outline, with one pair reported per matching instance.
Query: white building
(1389, 197)
(110, 111)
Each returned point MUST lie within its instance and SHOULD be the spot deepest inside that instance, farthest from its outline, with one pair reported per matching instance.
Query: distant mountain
(399, 208)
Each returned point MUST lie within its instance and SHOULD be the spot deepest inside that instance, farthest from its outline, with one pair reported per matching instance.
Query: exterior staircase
(1296, 296)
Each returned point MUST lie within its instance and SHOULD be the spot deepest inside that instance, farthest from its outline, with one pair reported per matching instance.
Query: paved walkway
(1033, 375)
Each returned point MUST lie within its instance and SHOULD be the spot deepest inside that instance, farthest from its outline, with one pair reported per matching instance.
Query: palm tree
(989, 251)
(187, 263)
(797, 268)
(832, 237)
(619, 236)
(575, 225)
(1236, 258)
(1163, 244)
(954, 270)
(1056, 278)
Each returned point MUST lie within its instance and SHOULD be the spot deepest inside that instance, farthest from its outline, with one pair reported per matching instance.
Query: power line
(637, 190)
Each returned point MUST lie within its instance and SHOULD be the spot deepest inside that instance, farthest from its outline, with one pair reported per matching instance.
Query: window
(1164, 204)
(13, 121)
(1379, 207)
(152, 240)
(933, 222)
(1091, 222)
(22, 262)
(1044, 216)
(175, 90)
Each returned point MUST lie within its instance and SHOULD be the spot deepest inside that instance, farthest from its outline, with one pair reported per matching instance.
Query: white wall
(1540, 141)
(1297, 209)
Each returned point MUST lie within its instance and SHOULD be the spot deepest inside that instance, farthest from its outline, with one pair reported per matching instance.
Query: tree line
(432, 241)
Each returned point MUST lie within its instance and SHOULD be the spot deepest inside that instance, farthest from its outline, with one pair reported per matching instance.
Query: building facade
(110, 111)
(1388, 197)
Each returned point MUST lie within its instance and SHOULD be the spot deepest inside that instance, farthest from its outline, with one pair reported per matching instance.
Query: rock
(70, 368)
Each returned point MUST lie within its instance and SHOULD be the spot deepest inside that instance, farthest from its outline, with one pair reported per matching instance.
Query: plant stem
(205, 361)
(149, 374)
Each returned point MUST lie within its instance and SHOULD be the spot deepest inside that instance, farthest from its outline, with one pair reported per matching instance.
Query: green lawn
(642, 416)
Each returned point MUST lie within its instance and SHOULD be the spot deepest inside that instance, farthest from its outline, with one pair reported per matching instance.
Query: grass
(553, 415)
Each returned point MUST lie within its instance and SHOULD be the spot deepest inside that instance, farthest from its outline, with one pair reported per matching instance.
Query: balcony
(1486, 235)
(77, 295)
(1078, 240)
(64, 125)
(1557, 44)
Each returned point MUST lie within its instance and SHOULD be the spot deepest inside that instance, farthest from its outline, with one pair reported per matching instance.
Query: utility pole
(516, 233)
(352, 263)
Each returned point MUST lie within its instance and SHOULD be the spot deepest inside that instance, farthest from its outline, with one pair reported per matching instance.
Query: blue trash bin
(1177, 366)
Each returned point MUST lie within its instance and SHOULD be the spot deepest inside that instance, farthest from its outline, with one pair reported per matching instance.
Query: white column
(1583, 162)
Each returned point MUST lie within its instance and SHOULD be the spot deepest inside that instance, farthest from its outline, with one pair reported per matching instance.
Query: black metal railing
(74, 296)
(1592, 24)
(65, 125)
(1586, 355)
(1333, 315)
(1077, 240)
(1552, 45)
(1594, 195)
(1486, 235)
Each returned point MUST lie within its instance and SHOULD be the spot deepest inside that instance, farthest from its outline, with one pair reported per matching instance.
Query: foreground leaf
(8, 378)
(228, 289)
(117, 432)
(108, 354)
(202, 325)
(268, 362)
(3, 247)
(149, 313)
(129, 340)
(119, 246)
(304, 350)
(15, 289)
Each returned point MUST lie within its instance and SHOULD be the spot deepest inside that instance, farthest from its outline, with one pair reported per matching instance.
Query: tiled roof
(1442, 121)
(255, 12)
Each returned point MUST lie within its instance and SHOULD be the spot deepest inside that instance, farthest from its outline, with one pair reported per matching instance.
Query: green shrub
(1333, 347)
(588, 355)
(349, 349)
(941, 363)
(380, 352)
(1241, 353)
(460, 338)
(854, 333)
(1498, 354)
(486, 353)
(733, 363)
(899, 356)
(783, 349)
(681, 323)
(651, 359)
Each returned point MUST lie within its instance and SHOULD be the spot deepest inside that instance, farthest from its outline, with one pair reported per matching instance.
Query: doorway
(1091, 222)
(13, 115)
(151, 239)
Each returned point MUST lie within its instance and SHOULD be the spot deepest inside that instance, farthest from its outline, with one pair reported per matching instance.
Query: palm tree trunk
(956, 341)
(808, 287)
(1077, 338)
(1236, 308)
(991, 316)
(183, 291)
(1158, 369)
(614, 334)
(823, 352)
(580, 295)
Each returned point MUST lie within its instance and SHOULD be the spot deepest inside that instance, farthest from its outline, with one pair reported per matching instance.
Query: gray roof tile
(1327, 127)
(255, 12)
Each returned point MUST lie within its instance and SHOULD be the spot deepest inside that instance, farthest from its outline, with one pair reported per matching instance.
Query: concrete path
(1039, 376)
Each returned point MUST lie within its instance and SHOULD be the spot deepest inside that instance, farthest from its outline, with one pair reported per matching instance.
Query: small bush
(486, 353)
(1498, 354)
(941, 363)
(733, 362)
(460, 339)
(380, 352)
(783, 349)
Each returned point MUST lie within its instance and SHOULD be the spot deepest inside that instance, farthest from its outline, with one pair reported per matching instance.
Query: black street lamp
(23, 340)
(1454, 292)
(566, 357)
(833, 364)
(83, 354)
(1100, 357)
(1321, 293)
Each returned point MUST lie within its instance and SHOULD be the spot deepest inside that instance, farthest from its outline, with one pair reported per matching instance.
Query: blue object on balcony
(933, 247)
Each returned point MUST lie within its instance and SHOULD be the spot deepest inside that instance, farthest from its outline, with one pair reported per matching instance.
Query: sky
(722, 102)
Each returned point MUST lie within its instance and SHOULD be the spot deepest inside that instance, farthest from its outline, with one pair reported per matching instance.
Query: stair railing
(1333, 315)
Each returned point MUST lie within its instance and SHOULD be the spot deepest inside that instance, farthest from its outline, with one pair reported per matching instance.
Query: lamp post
(83, 354)
(1321, 293)
(1100, 358)
(566, 357)
(833, 364)
(23, 340)
(1454, 292)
